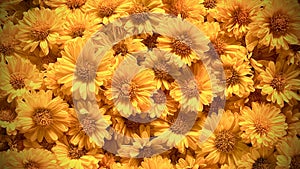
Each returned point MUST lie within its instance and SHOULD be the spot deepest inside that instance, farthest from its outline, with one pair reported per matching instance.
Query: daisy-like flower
(258, 158)
(42, 116)
(71, 156)
(86, 75)
(79, 24)
(238, 76)
(224, 146)
(194, 91)
(88, 128)
(156, 162)
(142, 146)
(280, 82)
(131, 84)
(39, 30)
(276, 26)
(18, 77)
(31, 158)
(106, 11)
(165, 67)
(288, 154)
(185, 9)
(8, 116)
(182, 38)
(236, 15)
(260, 128)
(139, 20)
(67, 4)
(8, 42)
(210, 8)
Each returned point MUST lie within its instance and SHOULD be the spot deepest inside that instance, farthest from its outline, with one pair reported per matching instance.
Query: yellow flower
(39, 30)
(42, 116)
(189, 162)
(258, 158)
(280, 82)
(105, 11)
(288, 154)
(238, 76)
(79, 24)
(18, 77)
(292, 115)
(260, 128)
(31, 158)
(67, 4)
(183, 38)
(156, 162)
(224, 146)
(70, 156)
(8, 116)
(236, 15)
(276, 26)
(185, 9)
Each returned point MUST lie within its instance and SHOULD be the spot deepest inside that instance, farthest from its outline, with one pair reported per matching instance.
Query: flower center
(86, 72)
(75, 152)
(161, 71)
(17, 81)
(295, 163)
(232, 76)
(151, 41)
(105, 11)
(7, 115)
(120, 48)
(210, 4)
(42, 117)
(6, 49)
(78, 31)
(88, 125)
(31, 165)
(279, 24)
(278, 83)
(241, 16)
(261, 126)
(40, 31)
(181, 48)
(126, 89)
(159, 97)
(219, 46)
(261, 163)
(73, 4)
(225, 141)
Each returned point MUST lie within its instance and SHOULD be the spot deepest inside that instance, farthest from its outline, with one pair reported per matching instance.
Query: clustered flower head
(147, 102)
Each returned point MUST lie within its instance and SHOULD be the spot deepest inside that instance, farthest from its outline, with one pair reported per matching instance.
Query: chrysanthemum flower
(238, 76)
(276, 26)
(190, 162)
(280, 82)
(194, 91)
(42, 116)
(106, 11)
(210, 8)
(292, 55)
(258, 158)
(263, 125)
(79, 24)
(292, 115)
(88, 127)
(39, 30)
(70, 156)
(182, 40)
(86, 75)
(67, 4)
(236, 15)
(156, 162)
(31, 158)
(131, 84)
(185, 9)
(224, 146)
(165, 66)
(8, 42)
(18, 77)
(288, 154)
(8, 116)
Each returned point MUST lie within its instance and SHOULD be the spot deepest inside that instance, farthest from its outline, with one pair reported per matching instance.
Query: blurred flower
(288, 154)
(8, 116)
